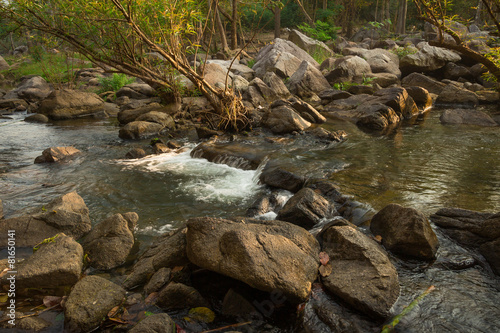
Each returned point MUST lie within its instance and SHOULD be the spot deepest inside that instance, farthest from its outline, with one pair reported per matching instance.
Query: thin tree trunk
(325, 4)
(277, 22)
(401, 22)
(308, 18)
(220, 27)
(234, 26)
(12, 41)
(376, 12)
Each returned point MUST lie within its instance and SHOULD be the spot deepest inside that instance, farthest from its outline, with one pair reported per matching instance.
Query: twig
(228, 326)
(32, 314)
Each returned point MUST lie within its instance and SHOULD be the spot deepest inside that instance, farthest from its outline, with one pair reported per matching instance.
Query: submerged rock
(276, 176)
(467, 117)
(139, 130)
(89, 303)
(37, 118)
(405, 231)
(179, 296)
(157, 323)
(267, 255)
(56, 154)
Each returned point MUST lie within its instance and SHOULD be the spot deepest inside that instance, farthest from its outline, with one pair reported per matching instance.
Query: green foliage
(320, 55)
(494, 56)
(45, 241)
(251, 62)
(367, 81)
(404, 51)
(114, 82)
(255, 16)
(322, 31)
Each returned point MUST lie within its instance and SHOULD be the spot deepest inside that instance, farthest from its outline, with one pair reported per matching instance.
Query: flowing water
(424, 165)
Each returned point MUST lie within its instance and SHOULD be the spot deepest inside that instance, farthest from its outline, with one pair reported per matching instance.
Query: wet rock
(129, 115)
(160, 148)
(305, 209)
(58, 262)
(452, 95)
(455, 72)
(237, 155)
(139, 130)
(37, 118)
(281, 57)
(31, 324)
(33, 89)
(385, 80)
(421, 97)
(57, 154)
(179, 296)
(13, 103)
(158, 117)
(158, 280)
(399, 100)
(136, 91)
(405, 231)
(306, 111)
(349, 69)
(68, 104)
(363, 276)
(427, 59)
(311, 46)
(376, 116)
(467, 117)
(67, 214)
(169, 250)
(490, 251)
(283, 119)
(276, 176)
(157, 323)
(267, 255)
(327, 136)
(421, 80)
(89, 303)
(109, 243)
(307, 81)
(136, 153)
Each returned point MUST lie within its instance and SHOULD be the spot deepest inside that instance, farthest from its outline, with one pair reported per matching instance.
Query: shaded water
(424, 165)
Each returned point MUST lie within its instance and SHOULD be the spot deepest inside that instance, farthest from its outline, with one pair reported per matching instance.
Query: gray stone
(311, 46)
(139, 130)
(136, 91)
(130, 115)
(453, 95)
(67, 104)
(278, 177)
(421, 80)
(3, 64)
(89, 303)
(307, 81)
(37, 118)
(307, 112)
(349, 69)
(283, 119)
(136, 153)
(158, 280)
(467, 117)
(276, 84)
(13, 103)
(57, 154)
(427, 59)
(376, 116)
(157, 323)
(179, 296)
(157, 117)
(380, 60)
(362, 274)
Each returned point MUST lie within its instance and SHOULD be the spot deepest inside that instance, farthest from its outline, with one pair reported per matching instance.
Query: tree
(147, 39)
(401, 23)
(434, 12)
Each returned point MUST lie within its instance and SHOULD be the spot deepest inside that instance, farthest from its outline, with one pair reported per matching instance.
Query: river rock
(267, 255)
(37, 118)
(169, 250)
(306, 111)
(157, 323)
(139, 130)
(467, 117)
(158, 117)
(3, 64)
(135, 153)
(179, 296)
(311, 46)
(57, 262)
(452, 95)
(130, 115)
(421, 97)
(278, 177)
(57, 154)
(67, 104)
(13, 103)
(307, 81)
(363, 275)
(89, 303)
(264, 90)
(427, 59)
(405, 231)
(306, 209)
(33, 89)
(276, 84)
(421, 80)
(109, 243)
(330, 95)
(158, 280)
(376, 116)
(1, 209)
(380, 60)
(283, 119)
(67, 214)
(136, 91)
(349, 69)
(215, 74)
(281, 57)
(399, 100)
(237, 155)
(455, 72)
(385, 80)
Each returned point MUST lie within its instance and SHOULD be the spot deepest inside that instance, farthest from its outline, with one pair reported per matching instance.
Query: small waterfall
(232, 161)
(260, 168)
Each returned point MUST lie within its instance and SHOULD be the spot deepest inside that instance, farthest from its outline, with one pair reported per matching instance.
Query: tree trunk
(306, 15)
(220, 27)
(479, 9)
(277, 22)
(234, 26)
(325, 4)
(401, 22)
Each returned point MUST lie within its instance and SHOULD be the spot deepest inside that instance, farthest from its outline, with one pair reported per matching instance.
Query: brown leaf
(113, 311)
(324, 258)
(325, 270)
(151, 299)
(119, 321)
(378, 238)
(177, 269)
(50, 301)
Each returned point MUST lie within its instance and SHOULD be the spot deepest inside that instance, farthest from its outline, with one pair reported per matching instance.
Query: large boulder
(307, 111)
(398, 99)
(467, 117)
(158, 117)
(349, 69)
(283, 119)
(276, 84)
(267, 255)
(157, 323)
(278, 177)
(405, 231)
(129, 115)
(421, 97)
(235, 68)
(307, 81)
(33, 89)
(427, 59)
(421, 80)
(380, 60)
(67, 214)
(67, 104)
(376, 116)
(237, 155)
(139, 130)
(362, 274)
(281, 57)
(137, 91)
(57, 154)
(109, 243)
(57, 262)
(215, 74)
(452, 95)
(311, 46)
(89, 303)
(264, 90)
(306, 208)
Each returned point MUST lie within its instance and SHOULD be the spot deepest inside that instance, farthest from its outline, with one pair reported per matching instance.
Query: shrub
(322, 31)
(114, 82)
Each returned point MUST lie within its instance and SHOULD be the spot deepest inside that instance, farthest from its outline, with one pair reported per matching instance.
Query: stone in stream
(158, 117)
(136, 153)
(421, 97)
(68, 104)
(283, 119)
(89, 303)
(33, 89)
(278, 177)
(180, 296)
(405, 231)
(67, 214)
(160, 278)
(109, 243)
(136, 130)
(267, 255)
(307, 82)
(420, 80)
(37, 118)
(137, 91)
(362, 274)
(451, 95)
(467, 117)
(157, 323)
(57, 154)
(57, 262)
